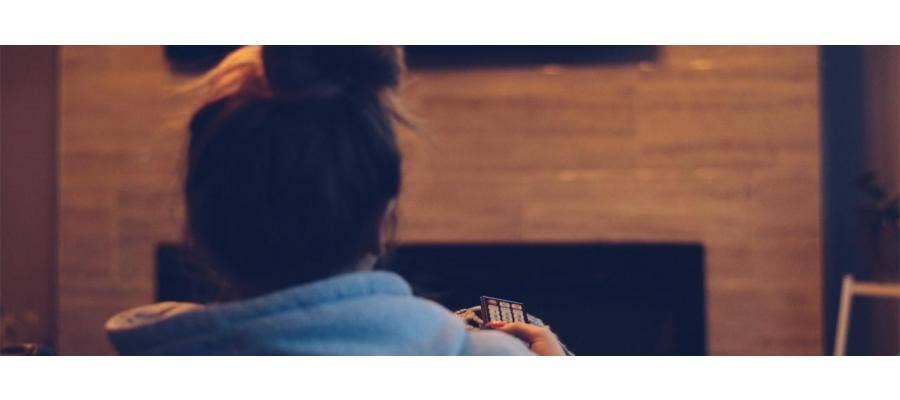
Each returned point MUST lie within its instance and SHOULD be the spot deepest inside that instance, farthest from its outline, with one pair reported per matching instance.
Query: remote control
(494, 309)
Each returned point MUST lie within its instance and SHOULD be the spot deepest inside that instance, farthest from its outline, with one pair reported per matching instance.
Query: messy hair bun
(292, 163)
(313, 71)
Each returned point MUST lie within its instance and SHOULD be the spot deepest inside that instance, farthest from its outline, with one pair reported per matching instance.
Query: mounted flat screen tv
(196, 59)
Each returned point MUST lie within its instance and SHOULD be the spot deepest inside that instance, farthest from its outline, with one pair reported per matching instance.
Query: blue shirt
(359, 313)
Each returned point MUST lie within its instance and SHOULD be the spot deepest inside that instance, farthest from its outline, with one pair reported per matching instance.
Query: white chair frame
(851, 288)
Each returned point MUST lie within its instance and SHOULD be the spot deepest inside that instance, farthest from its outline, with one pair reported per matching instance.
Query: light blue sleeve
(494, 343)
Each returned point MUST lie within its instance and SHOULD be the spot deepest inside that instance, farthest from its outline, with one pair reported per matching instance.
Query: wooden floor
(715, 145)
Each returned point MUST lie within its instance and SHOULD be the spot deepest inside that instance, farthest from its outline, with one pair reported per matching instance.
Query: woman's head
(293, 165)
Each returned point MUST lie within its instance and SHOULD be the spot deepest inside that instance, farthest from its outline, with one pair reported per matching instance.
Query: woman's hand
(541, 340)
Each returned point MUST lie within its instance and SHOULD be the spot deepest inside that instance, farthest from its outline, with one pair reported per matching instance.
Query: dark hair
(288, 184)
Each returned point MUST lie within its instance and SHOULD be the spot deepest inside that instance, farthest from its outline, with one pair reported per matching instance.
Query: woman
(292, 177)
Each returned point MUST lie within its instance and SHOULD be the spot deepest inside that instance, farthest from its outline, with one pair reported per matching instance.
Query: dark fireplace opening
(600, 298)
